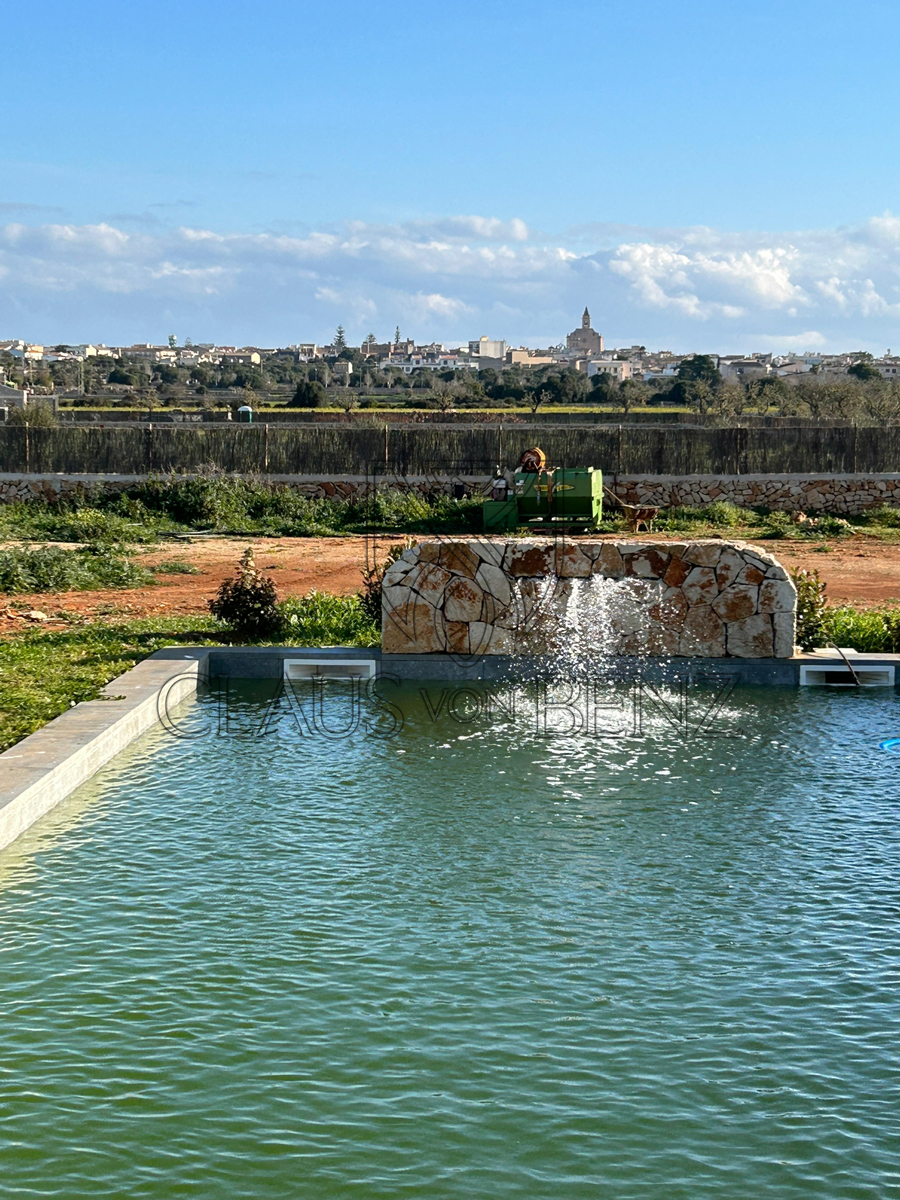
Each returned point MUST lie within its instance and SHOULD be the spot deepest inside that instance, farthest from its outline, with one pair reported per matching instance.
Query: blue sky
(703, 175)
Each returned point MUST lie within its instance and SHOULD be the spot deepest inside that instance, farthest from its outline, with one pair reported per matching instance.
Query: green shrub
(248, 603)
(884, 516)
(320, 619)
(52, 569)
(725, 515)
(778, 525)
(873, 631)
(173, 567)
(812, 609)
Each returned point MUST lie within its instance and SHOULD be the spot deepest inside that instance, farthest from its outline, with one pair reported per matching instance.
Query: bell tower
(586, 319)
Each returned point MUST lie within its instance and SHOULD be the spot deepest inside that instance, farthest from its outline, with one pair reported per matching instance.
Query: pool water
(466, 958)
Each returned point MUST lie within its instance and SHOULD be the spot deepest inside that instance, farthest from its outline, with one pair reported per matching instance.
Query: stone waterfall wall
(697, 599)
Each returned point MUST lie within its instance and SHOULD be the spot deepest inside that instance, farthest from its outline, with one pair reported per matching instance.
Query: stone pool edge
(48, 765)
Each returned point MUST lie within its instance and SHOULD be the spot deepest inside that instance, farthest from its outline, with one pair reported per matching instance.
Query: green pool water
(465, 958)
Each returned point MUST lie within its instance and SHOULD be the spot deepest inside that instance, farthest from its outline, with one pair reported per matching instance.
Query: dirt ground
(856, 570)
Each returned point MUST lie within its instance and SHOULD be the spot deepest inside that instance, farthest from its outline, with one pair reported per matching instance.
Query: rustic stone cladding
(708, 599)
(846, 494)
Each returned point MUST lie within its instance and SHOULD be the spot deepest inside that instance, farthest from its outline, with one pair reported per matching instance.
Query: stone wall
(810, 493)
(705, 598)
(789, 493)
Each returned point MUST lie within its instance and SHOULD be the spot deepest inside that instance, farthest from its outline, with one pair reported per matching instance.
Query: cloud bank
(454, 278)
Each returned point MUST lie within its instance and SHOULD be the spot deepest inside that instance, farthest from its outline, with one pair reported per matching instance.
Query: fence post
(266, 448)
(149, 446)
(500, 445)
(619, 452)
(27, 452)
(386, 458)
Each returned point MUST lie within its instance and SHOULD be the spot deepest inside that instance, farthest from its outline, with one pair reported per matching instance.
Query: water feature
(460, 959)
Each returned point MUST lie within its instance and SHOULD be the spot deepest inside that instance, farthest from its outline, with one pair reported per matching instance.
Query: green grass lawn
(43, 673)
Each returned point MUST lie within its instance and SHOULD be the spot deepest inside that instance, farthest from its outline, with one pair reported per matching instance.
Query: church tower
(584, 342)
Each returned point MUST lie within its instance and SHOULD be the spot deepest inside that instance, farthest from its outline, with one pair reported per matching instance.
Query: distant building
(615, 368)
(487, 347)
(528, 358)
(584, 342)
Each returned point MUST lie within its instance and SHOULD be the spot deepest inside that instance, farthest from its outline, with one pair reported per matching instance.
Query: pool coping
(48, 765)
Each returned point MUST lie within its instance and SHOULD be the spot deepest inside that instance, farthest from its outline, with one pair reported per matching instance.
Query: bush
(872, 631)
(308, 394)
(37, 415)
(812, 610)
(248, 602)
(173, 567)
(52, 569)
(320, 619)
(884, 516)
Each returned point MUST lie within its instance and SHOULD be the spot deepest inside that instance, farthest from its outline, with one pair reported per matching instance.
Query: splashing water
(579, 625)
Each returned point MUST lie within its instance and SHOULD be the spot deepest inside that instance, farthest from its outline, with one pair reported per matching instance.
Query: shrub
(173, 567)
(812, 611)
(320, 619)
(52, 569)
(725, 515)
(309, 394)
(883, 515)
(38, 415)
(248, 602)
(872, 631)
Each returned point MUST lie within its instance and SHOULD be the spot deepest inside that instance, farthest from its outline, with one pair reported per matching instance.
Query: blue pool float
(892, 744)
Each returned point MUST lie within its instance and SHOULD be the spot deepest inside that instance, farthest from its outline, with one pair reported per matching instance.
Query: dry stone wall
(847, 494)
(708, 598)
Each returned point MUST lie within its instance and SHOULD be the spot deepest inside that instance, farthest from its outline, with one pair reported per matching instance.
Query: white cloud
(455, 277)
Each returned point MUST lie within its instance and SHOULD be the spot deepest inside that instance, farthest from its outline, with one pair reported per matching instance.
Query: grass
(44, 673)
(52, 569)
(233, 505)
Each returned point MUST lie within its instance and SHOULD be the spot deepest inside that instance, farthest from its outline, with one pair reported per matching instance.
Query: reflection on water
(466, 954)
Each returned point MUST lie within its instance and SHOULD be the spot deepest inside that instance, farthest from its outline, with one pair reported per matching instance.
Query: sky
(705, 175)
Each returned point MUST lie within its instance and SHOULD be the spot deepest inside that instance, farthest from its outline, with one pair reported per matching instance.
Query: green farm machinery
(544, 497)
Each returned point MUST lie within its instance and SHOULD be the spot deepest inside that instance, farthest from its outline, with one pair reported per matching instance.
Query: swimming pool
(469, 957)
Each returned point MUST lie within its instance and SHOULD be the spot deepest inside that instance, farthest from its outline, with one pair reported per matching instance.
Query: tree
(881, 401)
(117, 375)
(173, 341)
(37, 415)
(348, 400)
(699, 368)
(444, 394)
(629, 393)
(309, 394)
(864, 371)
(697, 382)
(538, 397)
(604, 388)
(340, 340)
(397, 335)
